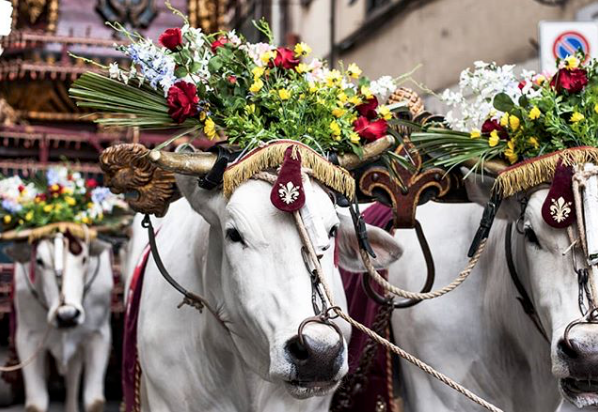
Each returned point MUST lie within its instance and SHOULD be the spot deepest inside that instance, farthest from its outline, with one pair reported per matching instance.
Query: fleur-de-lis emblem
(288, 193)
(560, 209)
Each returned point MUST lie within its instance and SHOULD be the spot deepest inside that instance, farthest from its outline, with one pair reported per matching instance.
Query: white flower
(383, 88)
(114, 71)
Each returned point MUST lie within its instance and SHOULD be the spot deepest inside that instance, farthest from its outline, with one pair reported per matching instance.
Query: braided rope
(463, 275)
(35, 354)
(382, 341)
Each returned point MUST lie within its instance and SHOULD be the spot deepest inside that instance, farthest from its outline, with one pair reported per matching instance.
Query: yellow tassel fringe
(541, 170)
(271, 156)
(46, 231)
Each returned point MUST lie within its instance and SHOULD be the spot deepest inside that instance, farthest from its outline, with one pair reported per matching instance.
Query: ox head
(545, 261)
(261, 284)
(59, 268)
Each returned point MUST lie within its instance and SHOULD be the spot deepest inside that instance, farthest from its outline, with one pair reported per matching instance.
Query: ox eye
(234, 236)
(39, 262)
(531, 237)
(333, 231)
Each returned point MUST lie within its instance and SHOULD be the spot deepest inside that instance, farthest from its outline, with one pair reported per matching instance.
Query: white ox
(79, 321)
(244, 256)
(479, 334)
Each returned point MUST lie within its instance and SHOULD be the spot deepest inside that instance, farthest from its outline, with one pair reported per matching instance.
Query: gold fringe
(541, 170)
(37, 233)
(271, 156)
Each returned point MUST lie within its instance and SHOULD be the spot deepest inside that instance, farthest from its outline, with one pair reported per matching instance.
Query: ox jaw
(303, 390)
(580, 392)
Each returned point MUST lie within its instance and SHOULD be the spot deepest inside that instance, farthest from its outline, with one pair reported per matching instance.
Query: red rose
(285, 58)
(370, 131)
(232, 79)
(182, 101)
(171, 38)
(572, 81)
(521, 84)
(368, 109)
(91, 183)
(21, 188)
(491, 125)
(221, 41)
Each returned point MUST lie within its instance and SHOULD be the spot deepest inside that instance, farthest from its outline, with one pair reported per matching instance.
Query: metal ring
(322, 319)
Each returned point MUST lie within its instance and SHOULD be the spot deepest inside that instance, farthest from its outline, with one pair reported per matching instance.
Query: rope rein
(305, 239)
(35, 354)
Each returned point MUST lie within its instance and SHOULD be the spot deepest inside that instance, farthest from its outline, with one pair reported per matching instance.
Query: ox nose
(314, 360)
(67, 316)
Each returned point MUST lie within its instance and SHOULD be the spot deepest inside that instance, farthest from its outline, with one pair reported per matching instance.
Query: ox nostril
(570, 350)
(67, 316)
(298, 352)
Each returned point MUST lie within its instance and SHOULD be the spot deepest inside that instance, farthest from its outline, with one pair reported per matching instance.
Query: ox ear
(19, 252)
(208, 203)
(385, 246)
(479, 189)
(98, 247)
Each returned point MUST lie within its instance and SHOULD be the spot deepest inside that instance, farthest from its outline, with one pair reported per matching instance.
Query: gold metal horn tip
(371, 151)
(491, 167)
(196, 164)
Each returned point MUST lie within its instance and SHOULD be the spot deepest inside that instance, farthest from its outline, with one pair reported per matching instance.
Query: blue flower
(11, 206)
(53, 176)
(99, 194)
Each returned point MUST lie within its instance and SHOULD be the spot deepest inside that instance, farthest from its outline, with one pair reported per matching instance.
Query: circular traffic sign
(568, 43)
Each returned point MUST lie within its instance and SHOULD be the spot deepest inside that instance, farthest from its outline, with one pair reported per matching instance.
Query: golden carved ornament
(128, 170)
(414, 102)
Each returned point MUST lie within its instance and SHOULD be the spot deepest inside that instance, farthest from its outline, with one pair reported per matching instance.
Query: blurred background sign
(562, 39)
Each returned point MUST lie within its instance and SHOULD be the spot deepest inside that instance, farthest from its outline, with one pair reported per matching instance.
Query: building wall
(445, 36)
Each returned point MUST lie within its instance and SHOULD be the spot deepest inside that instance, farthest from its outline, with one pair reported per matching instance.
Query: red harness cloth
(364, 310)
(130, 364)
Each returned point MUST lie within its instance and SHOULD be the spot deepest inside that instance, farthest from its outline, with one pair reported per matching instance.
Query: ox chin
(304, 390)
(580, 392)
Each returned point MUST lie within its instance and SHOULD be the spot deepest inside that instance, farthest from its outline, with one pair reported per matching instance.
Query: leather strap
(524, 298)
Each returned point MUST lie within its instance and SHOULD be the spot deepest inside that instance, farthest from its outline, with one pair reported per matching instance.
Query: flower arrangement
(515, 119)
(243, 92)
(59, 195)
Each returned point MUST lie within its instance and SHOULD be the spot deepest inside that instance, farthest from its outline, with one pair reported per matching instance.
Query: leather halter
(524, 298)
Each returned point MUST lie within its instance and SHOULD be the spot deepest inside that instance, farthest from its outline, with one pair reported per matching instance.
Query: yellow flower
(534, 113)
(256, 86)
(67, 191)
(21, 221)
(354, 138)
(302, 68)
(342, 97)
(55, 188)
(312, 87)
(37, 200)
(48, 208)
(302, 49)
(514, 122)
(202, 115)
(209, 129)
(335, 128)
(338, 112)
(355, 100)
(596, 108)
(7, 219)
(284, 94)
(576, 117)
(29, 216)
(70, 201)
(510, 152)
(58, 207)
(384, 111)
(85, 220)
(267, 56)
(258, 72)
(534, 142)
(352, 118)
(504, 120)
(337, 138)
(494, 139)
(250, 109)
(366, 92)
(540, 79)
(571, 62)
(354, 71)
(89, 205)
(475, 134)
(333, 78)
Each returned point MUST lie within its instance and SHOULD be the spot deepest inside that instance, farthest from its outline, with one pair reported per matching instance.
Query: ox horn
(491, 167)
(371, 151)
(195, 163)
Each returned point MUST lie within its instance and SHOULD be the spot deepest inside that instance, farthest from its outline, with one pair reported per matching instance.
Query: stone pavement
(58, 407)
